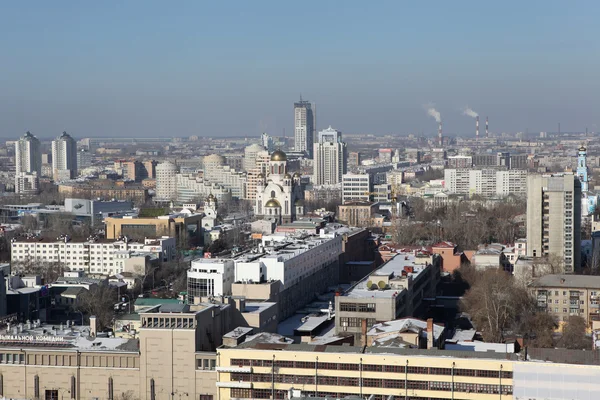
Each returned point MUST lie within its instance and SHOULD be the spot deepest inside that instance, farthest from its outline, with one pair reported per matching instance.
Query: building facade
(554, 218)
(304, 127)
(279, 195)
(330, 155)
(64, 158)
(28, 164)
(166, 182)
(356, 187)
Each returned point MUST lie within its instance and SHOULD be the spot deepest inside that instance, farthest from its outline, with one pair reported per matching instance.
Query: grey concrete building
(554, 218)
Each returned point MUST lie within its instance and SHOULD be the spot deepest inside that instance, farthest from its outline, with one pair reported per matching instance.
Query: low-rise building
(94, 256)
(357, 213)
(565, 295)
(397, 289)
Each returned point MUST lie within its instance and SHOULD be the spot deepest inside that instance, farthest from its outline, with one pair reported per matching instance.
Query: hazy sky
(216, 68)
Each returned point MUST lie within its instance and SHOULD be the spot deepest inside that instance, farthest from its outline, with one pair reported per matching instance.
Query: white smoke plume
(432, 112)
(469, 112)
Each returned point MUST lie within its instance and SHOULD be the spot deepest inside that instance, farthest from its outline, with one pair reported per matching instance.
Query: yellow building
(186, 229)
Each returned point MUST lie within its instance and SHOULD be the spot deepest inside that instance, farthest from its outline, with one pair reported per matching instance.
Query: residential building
(28, 164)
(84, 159)
(192, 187)
(452, 258)
(357, 213)
(230, 179)
(251, 153)
(211, 166)
(166, 182)
(304, 127)
(28, 155)
(356, 187)
(460, 162)
(257, 172)
(354, 159)
(486, 182)
(95, 256)
(27, 183)
(324, 194)
(64, 158)
(394, 290)
(330, 155)
(565, 295)
(554, 218)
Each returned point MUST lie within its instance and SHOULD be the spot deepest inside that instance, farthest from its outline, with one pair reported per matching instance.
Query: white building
(229, 178)
(27, 183)
(304, 127)
(279, 195)
(211, 165)
(64, 158)
(250, 155)
(261, 166)
(486, 182)
(28, 155)
(267, 142)
(93, 256)
(28, 164)
(356, 187)
(191, 187)
(330, 157)
(209, 277)
(166, 182)
(287, 259)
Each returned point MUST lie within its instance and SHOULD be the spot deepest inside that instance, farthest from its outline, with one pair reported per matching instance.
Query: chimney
(430, 333)
(487, 130)
(363, 330)
(93, 326)
(440, 140)
(477, 127)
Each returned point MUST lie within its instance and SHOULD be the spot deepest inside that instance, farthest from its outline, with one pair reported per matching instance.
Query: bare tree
(574, 334)
(496, 304)
(99, 301)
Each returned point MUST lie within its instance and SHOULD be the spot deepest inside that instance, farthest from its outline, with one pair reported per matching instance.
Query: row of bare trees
(467, 224)
(499, 306)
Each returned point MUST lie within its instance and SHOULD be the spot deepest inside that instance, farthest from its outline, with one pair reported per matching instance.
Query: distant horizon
(221, 70)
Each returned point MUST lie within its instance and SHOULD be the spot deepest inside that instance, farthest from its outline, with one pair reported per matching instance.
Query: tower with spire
(582, 170)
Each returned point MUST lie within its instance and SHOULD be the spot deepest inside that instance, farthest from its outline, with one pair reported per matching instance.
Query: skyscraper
(554, 218)
(28, 160)
(330, 157)
(64, 158)
(28, 155)
(304, 127)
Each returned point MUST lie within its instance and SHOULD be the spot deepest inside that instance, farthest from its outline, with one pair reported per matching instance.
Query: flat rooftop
(62, 337)
(394, 266)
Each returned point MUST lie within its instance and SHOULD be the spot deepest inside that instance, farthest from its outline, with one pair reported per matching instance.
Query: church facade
(279, 195)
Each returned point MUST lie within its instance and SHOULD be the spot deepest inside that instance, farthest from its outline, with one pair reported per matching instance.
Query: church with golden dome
(279, 195)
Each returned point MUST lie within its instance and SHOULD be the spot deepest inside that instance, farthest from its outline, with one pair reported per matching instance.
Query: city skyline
(156, 70)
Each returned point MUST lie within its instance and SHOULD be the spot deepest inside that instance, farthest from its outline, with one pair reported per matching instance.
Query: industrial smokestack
(487, 126)
(477, 127)
(440, 140)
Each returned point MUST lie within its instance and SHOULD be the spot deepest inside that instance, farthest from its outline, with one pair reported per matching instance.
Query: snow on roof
(405, 325)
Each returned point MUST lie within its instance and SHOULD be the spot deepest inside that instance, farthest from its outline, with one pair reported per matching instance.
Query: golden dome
(278, 155)
(211, 197)
(272, 203)
(582, 148)
(287, 176)
(297, 175)
(260, 175)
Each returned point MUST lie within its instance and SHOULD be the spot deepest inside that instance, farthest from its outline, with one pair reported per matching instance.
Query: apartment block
(486, 182)
(565, 295)
(554, 218)
(356, 187)
(94, 256)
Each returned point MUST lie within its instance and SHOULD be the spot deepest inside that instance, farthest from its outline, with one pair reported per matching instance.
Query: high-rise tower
(304, 127)
(330, 157)
(64, 157)
(28, 155)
